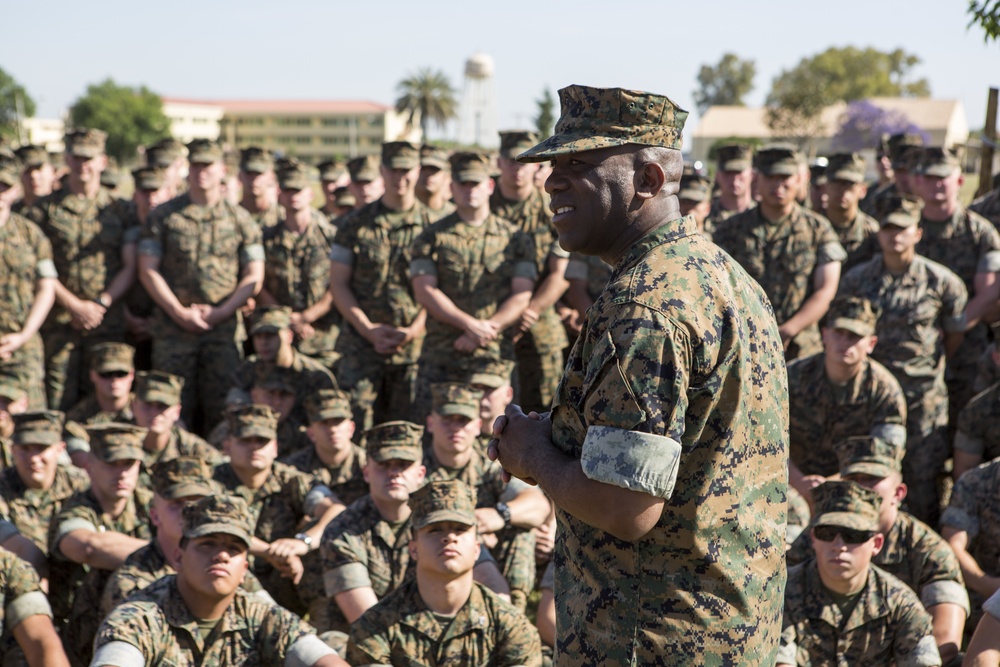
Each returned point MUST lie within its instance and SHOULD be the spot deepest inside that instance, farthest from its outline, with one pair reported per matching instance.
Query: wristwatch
(305, 538)
(104, 300)
(504, 512)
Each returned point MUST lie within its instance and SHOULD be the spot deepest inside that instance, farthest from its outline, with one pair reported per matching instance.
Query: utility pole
(989, 141)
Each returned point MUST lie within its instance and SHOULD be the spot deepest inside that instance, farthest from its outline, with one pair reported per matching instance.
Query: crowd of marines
(225, 409)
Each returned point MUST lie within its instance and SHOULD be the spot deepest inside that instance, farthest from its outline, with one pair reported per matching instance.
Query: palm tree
(429, 94)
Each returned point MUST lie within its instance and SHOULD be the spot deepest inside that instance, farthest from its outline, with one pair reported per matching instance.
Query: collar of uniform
(891, 554)
(178, 615)
(79, 203)
(470, 473)
(396, 539)
(865, 611)
(915, 272)
(491, 226)
(851, 389)
(347, 471)
(943, 229)
(470, 618)
(666, 233)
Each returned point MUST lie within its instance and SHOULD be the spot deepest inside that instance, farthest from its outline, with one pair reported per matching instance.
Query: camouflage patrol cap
(434, 156)
(32, 156)
(846, 505)
(221, 513)
(164, 153)
(270, 319)
(253, 421)
(44, 427)
(106, 357)
(515, 142)
(899, 210)
(256, 160)
(111, 176)
(328, 404)
(280, 378)
(734, 157)
(901, 147)
(85, 142)
(204, 151)
(777, 160)
(181, 477)
(695, 187)
(116, 441)
(936, 161)
(487, 372)
(853, 314)
(363, 169)
(470, 167)
(456, 399)
(395, 440)
(10, 170)
(445, 500)
(817, 171)
(331, 170)
(865, 455)
(294, 175)
(343, 197)
(230, 158)
(149, 179)
(594, 118)
(846, 167)
(400, 155)
(158, 387)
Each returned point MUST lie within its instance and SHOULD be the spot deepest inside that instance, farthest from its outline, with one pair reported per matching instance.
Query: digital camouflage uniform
(203, 252)
(915, 307)
(782, 255)
(88, 411)
(256, 160)
(437, 157)
(730, 157)
(988, 206)
(376, 243)
(20, 598)
(857, 236)
(977, 433)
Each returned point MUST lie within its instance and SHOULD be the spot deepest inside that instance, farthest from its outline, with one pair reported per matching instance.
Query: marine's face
(257, 183)
(400, 182)
(365, 192)
(168, 517)
(393, 480)
(446, 548)
(454, 434)
(252, 453)
(844, 195)
(117, 479)
(296, 200)
(516, 174)
(898, 240)
(206, 176)
(38, 180)
(36, 464)
(86, 169)
(112, 384)
(278, 399)
(736, 183)
(331, 435)
(213, 565)
(471, 196)
(940, 190)
(847, 347)
(495, 400)
(839, 560)
(155, 416)
(433, 179)
(778, 190)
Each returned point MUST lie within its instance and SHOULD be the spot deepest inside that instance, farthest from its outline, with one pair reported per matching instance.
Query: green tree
(15, 105)
(132, 117)
(546, 117)
(727, 82)
(799, 95)
(429, 95)
(986, 15)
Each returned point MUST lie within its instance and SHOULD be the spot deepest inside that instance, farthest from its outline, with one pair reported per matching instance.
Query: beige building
(192, 119)
(46, 132)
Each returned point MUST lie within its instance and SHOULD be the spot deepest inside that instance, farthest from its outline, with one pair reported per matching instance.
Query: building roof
(288, 106)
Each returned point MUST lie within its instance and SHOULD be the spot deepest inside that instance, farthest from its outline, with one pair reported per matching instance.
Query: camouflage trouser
(380, 392)
(321, 346)
(515, 554)
(927, 450)
(205, 361)
(540, 362)
(28, 365)
(67, 364)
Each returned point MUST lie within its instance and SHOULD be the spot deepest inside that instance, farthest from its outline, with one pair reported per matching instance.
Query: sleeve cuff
(254, 252)
(341, 255)
(46, 269)
(924, 654)
(316, 495)
(30, 604)
(964, 443)
(830, 252)
(945, 592)
(422, 266)
(150, 247)
(549, 578)
(992, 606)
(632, 460)
(960, 519)
(576, 270)
(68, 526)
(557, 250)
(7, 530)
(955, 324)
(894, 434)
(514, 488)
(345, 578)
(307, 651)
(526, 270)
(990, 263)
(118, 654)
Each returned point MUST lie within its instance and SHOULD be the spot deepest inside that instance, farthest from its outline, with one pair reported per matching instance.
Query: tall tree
(15, 105)
(132, 117)
(429, 95)
(546, 117)
(726, 82)
(986, 14)
(800, 94)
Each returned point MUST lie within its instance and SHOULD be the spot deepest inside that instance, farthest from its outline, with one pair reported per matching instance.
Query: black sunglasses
(117, 375)
(849, 535)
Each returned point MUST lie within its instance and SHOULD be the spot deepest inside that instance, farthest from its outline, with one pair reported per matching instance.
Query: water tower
(477, 124)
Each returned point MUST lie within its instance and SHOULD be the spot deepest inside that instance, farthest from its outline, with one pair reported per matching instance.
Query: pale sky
(331, 49)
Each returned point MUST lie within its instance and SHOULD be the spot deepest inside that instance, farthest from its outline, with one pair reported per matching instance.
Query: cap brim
(855, 327)
(365, 176)
(9, 179)
(461, 410)
(457, 516)
(565, 144)
(692, 195)
(396, 453)
(779, 170)
(35, 438)
(332, 413)
(217, 528)
(488, 380)
(869, 468)
(185, 490)
(160, 397)
(845, 520)
(939, 170)
(11, 393)
(122, 454)
(735, 165)
(256, 167)
(402, 163)
(204, 158)
(471, 176)
(255, 432)
(850, 176)
(85, 152)
(265, 328)
(898, 220)
(434, 162)
(114, 366)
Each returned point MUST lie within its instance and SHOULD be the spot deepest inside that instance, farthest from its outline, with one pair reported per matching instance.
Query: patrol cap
(515, 142)
(901, 146)
(936, 161)
(899, 210)
(363, 169)
(32, 156)
(164, 153)
(846, 505)
(181, 477)
(256, 160)
(853, 314)
(434, 156)
(106, 357)
(158, 387)
(116, 441)
(734, 157)
(455, 399)
(328, 404)
(204, 151)
(270, 319)
(44, 427)
(85, 142)
(149, 178)
(331, 170)
(593, 118)
(777, 160)
(866, 455)
(281, 378)
(486, 372)
(343, 197)
(111, 176)
(817, 171)
(10, 169)
(470, 167)
(695, 187)
(395, 440)
(400, 155)
(294, 175)
(225, 514)
(253, 421)
(846, 167)
(445, 500)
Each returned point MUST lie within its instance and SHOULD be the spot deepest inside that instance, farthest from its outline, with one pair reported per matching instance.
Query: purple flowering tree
(864, 123)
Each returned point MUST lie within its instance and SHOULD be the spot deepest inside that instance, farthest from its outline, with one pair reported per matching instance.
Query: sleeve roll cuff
(894, 434)
(46, 269)
(422, 266)
(253, 252)
(960, 519)
(631, 460)
(30, 604)
(830, 252)
(341, 255)
(150, 247)
(345, 578)
(307, 651)
(992, 606)
(964, 443)
(525, 270)
(945, 592)
(119, 654)
(924, 654)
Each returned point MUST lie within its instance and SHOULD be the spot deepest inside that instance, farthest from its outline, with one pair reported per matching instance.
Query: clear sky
(332, 49)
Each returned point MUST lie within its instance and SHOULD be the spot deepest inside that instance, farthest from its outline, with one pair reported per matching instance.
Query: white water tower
(477, 125)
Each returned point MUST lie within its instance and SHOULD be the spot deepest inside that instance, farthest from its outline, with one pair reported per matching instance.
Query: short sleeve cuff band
(632, 460)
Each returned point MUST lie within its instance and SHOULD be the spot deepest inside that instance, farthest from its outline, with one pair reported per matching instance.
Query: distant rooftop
(288, 106)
